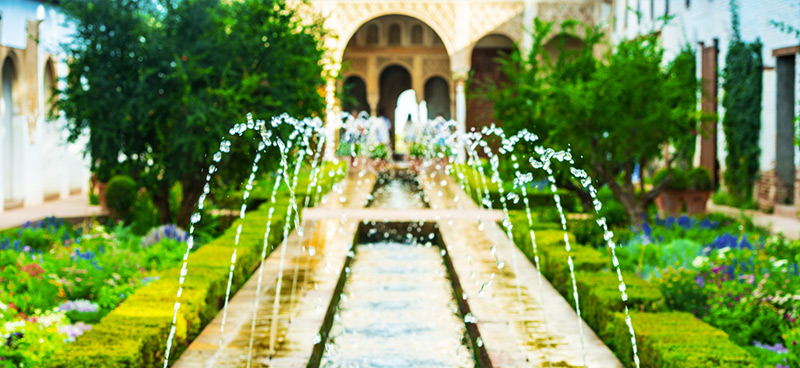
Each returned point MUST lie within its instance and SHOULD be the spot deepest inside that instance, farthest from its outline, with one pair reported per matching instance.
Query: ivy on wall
(742, 121)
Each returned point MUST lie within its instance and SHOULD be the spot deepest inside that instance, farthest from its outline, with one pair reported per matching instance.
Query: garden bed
(738, 291)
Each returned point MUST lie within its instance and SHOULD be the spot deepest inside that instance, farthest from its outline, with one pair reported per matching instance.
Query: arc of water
(195, 218)
(494, 161)
(586, 181)
(261, 267)
(292, 208)
(242, 214)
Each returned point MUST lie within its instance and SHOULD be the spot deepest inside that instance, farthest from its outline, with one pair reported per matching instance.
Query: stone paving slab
(521, 323)
(410, 215)
(306, 289)
(75, 206)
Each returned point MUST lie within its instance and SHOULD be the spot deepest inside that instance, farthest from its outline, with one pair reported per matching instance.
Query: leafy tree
(158, 84)
(614, 112)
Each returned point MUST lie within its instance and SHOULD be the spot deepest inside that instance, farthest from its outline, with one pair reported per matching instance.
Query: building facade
(36, 163)
(706, 26)
(433, 46)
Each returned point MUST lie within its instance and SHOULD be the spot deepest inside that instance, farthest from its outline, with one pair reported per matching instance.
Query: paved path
(308, 283)
(788, 226)
(70, 207)
(521, 323)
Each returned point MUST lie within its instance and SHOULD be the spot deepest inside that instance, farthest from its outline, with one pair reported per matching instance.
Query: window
(652, 9)
(666, 8)
(394, 34)
(687, 4)
(416, 34)
(372, 34)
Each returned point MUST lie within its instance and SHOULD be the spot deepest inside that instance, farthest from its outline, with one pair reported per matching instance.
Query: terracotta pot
(670, 202)
(696, 201)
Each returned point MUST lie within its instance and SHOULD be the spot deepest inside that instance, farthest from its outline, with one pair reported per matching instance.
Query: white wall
(705, 20)
(43, 162)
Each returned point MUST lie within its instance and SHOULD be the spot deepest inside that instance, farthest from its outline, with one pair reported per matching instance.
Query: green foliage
(699, 179)
(742, 83)
(379, 152)
(121, 195)
(723, 198)
(674, 339)
(158, 84)
(613, 113)
(417, 150)
(678, 180)
(134, 333)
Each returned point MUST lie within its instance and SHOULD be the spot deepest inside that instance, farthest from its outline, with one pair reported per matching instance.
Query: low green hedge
(676, 339)
(665, 339)
(136, 332)
(600, 298)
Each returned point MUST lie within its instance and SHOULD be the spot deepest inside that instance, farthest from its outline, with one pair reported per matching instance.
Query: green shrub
(676, 339)
(699, 179)
(121, 194)
(679, 180)
(135, 333)
(600, 298)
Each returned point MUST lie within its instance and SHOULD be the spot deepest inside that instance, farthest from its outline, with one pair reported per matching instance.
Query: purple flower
(73, 331)
(79, 305)
(685, 222)
(700, 281)
(778, 348)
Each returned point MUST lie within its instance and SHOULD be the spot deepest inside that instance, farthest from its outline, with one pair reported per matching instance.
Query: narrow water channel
(397, 307)
(397, 310)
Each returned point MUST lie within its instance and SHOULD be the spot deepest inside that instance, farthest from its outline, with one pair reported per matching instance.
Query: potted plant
(417, 153)
(378, 155)
(670, 201)
(699, 191)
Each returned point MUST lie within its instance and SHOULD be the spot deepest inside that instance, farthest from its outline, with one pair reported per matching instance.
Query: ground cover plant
(732, 276)
(57, 280)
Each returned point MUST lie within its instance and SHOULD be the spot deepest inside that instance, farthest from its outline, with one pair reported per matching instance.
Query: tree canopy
(614, 112)
(158, 84)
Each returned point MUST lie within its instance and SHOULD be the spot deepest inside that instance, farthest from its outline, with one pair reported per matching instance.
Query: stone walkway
(76, 206)
(521, 324)
(308, 283)
(788, 226)
(510, 312)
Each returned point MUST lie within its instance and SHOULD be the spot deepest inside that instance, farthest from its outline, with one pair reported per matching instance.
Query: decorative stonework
(501, 17)
(559, 12)
(357, 66)
(347, 16)
(405, 61)
(436, 66)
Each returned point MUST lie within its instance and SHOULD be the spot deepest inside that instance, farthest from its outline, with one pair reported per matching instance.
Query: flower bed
(600, 302)
(57, 281)
(743, 283)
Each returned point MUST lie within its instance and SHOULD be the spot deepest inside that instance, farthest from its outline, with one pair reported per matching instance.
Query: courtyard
(258, 183)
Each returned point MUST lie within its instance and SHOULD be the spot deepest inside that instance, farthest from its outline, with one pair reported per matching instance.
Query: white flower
(699, 261)
(779, 264)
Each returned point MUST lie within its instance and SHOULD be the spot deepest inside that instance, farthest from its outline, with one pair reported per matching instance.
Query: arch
(355, 95)
(8, 111)
(49, 82)
(394, 37)
(348, 32)
(486, 70)
(394, 80)
(562, 42)
(437, 97)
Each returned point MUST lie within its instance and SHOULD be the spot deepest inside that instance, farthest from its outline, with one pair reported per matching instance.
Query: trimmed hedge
(677, 339)
(135, 333)
(665, 339)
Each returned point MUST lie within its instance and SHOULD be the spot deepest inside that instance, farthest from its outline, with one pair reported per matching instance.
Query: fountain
(386, 229)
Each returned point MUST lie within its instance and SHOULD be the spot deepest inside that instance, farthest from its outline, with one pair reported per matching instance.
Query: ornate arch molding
(349, 16)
